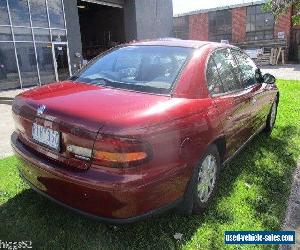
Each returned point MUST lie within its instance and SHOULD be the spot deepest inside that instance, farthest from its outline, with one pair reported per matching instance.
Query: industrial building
(42, 41)
(246, 25)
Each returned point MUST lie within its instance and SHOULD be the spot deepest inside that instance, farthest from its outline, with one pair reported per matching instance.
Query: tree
(279, 7)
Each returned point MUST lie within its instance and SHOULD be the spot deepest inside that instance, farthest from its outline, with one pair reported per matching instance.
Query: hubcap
(207, 178)
(273, 115)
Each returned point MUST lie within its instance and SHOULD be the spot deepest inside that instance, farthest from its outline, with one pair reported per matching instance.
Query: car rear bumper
(111, 221)
(78, 192)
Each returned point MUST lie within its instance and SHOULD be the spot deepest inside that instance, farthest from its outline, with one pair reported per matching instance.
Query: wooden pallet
(276, 54)
(263, 59)
(271, 57)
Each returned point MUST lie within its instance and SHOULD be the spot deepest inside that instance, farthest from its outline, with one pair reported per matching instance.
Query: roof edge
(195, 12)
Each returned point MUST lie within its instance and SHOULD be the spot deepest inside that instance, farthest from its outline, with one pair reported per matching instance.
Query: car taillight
(120, 152)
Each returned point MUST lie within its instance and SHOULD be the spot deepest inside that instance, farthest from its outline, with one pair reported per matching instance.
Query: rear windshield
(151, 69)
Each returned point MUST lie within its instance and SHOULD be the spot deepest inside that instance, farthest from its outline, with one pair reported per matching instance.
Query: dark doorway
(62, 61)
(295, 45)
(102, 27)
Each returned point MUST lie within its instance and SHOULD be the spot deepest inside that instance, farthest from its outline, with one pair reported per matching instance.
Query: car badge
(41, 110)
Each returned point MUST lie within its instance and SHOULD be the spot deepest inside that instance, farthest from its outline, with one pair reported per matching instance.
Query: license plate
(46, 136)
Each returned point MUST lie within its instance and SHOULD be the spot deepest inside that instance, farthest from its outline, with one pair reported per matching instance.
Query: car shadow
(269, 175)
(32, 217)
(6, 100)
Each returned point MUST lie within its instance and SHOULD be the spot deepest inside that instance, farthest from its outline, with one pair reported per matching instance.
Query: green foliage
(253, 195)
(280, 7)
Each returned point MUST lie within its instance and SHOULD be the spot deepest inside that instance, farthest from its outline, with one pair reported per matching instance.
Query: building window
(220, 25)
(5, 33)
(4, 20)
(41, 35)
(45, 60)
(27, 41)
(181, 27)
(39, 13)
(22, 34)
(27, 64)
(260, 25)
(9, 77)
(19, 12)
(59, 36)
(56, 14)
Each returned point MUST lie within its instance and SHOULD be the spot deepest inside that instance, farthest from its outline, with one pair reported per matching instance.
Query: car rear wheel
(203, 183)
(272, 117)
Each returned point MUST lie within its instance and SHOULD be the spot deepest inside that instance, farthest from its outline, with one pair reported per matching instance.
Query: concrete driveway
(287, 72)
(6, 122)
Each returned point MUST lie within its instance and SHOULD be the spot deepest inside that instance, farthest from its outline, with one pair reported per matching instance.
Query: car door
(257, 99)
(229, 98)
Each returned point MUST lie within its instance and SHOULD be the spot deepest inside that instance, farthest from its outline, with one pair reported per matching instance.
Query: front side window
(152, 69)
(214, 82)
(248, 69)
(227, 69)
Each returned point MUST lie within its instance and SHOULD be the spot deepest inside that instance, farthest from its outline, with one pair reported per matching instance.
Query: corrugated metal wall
(113, 3)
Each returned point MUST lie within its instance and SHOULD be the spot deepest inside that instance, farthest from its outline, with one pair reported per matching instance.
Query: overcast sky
(182, 6)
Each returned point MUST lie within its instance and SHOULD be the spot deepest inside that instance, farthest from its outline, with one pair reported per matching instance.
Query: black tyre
(271, 117)
(203, 184)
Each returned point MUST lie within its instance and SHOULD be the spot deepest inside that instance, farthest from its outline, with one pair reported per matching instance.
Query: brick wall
(238, 24)
(283, 23)
(198, 27)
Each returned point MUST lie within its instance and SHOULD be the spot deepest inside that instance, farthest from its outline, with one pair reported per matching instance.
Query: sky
(183, 6)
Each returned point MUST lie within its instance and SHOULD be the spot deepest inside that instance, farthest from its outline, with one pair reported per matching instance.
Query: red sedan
(144, 127)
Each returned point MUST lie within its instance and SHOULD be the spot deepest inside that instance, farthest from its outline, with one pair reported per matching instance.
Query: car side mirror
(269, 79)
(259, 76)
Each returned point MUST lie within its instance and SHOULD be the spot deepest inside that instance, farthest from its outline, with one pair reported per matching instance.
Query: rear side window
(247, 73)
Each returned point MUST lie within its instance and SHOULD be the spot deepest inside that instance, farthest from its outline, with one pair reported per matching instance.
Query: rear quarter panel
(179, 135)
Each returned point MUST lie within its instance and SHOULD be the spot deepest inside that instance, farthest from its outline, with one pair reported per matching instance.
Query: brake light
(120, 152)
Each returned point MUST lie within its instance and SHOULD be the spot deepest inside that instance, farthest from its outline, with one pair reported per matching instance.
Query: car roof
(179, 43)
